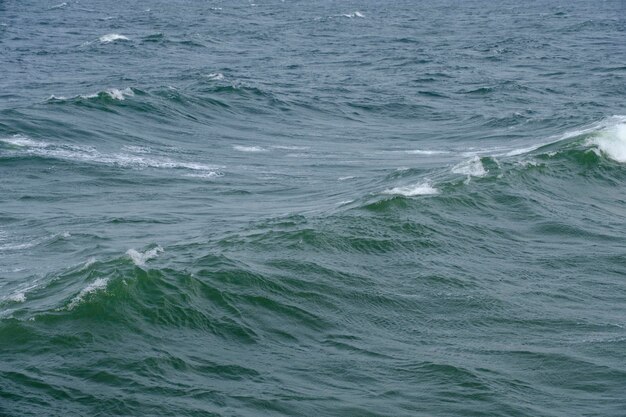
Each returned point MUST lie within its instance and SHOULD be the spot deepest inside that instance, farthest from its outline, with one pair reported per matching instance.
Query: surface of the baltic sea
(312, 208)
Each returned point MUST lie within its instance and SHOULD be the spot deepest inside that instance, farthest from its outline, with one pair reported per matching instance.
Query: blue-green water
(327, 208)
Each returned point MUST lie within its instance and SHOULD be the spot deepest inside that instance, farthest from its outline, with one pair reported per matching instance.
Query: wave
(472, 168)
(112, 93)
(112, 37)
(140, 258)
(612, 142)
(242, 148)
(353, 15)
(98, 284)
(23, 146)
(413, 190)
(584, 147)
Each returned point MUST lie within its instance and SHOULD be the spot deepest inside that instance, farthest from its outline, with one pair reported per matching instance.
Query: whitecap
(90, 154)
(112, 37)
(22, 141)
(98, 284)
(472, 168)
(116, 94)
(18, 297)
(612, 142)
(90, 261)
(140, 259)
(424, 152)
(413, 190)
(241, 148)
(59, 6)
(354, 14)
(205, 175)
(347, 177)
(218, 76)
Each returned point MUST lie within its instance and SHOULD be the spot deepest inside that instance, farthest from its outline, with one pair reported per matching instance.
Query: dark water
(328, 208)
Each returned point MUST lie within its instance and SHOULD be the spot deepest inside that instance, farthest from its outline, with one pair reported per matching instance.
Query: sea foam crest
(140, 258)
(354, 14)
(114, 93)
(98, 284)
(218, 76)
(413, 190)
(112, 37)
(612, 142)
(472, 168)
(242, 148)
(90, 154)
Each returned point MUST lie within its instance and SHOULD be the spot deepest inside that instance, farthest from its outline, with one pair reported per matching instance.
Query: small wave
(413, 190)
(217, 76)
(114, 93)
(98, 284)
(241, 148)
(205, 175)
(90, 261)
(424, 152)
(472, 168)
(58, 6)
(353, 15)
(112, 37)
(90, 154)
(347, 177)
(140, 259)
(20, 246)
(291, 148)
(18, 297)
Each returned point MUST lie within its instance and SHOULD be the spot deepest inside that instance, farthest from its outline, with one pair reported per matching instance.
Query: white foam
(241, 148)
(136, 149)
(413, 190)
(98, 284)
(120, 94)
(354, 14)
(218, 76)
(90, 154)
(472, 168)
(90, 261)
(114, 93)
(348, 177)
(140, 259)
(18, 297)
(205, 175)
(19, 140)
(112, 37)
(19, 246)
(66, 235)
(58, 6)
(425, 152)
(612, 142)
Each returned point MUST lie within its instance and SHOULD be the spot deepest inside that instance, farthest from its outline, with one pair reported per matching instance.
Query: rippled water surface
(332, 208)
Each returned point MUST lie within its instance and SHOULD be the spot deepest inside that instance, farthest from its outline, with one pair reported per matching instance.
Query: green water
(299, 209)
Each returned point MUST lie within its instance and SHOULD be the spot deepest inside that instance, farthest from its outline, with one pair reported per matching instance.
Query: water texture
(332, 208)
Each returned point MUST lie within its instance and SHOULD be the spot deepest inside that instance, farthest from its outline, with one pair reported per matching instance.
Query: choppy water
(334, 208)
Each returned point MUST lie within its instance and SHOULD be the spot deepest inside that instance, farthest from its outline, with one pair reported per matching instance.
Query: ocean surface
(312, 208)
